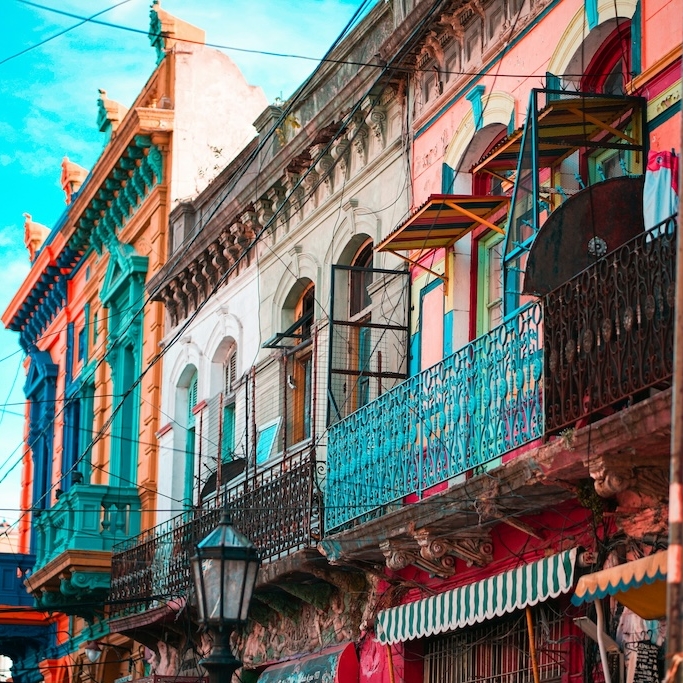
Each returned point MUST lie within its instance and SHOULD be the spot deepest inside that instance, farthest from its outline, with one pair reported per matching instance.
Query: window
(489, 285)
(190, 440)
(86, 421)
(228, 417)
(360, 281)
(299, 368)
(360, 340)
(498, 652)
(609, 70)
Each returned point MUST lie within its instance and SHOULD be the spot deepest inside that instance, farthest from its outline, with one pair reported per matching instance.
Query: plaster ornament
(35, 235)
(71, 179)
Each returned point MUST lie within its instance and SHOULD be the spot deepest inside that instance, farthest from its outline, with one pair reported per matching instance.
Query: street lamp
(224, 570)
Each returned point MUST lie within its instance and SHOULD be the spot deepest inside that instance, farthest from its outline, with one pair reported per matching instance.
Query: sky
(48, 109)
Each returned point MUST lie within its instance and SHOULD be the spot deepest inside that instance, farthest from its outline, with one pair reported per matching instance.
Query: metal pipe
(532, 645)
(674, 595)
(390, 660)
(601, 640)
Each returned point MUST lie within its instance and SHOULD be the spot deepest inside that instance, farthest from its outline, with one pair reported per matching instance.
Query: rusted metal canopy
(566, 124)
(442, 220)
(588, 225)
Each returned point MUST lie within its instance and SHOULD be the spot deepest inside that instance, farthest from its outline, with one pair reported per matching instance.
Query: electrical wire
(83, 20)
(320, 60)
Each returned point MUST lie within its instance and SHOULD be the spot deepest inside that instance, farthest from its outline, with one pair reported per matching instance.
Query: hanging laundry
(660, 194)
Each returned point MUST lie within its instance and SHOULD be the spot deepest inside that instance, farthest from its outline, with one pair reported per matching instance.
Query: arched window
(360, 280)
(299, 365)
(190, 440)
(228, 425)
(360, 338)
(610, 69)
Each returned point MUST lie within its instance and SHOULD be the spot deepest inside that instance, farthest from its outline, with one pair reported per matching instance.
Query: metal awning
(639, 585)
(336, 665)
(442, 220)
(468, 605)
(565, 124)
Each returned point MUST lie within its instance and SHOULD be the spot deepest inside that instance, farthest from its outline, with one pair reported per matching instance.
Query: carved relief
(340, 152)
(359, 135)
(276, 636)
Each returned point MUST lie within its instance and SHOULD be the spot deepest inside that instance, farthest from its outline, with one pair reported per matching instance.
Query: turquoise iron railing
(88, 517)
(463, 412)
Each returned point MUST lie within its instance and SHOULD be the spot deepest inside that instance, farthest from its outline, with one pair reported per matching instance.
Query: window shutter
(231, 372)
(191, 401)
(212, 446)
(447, 179)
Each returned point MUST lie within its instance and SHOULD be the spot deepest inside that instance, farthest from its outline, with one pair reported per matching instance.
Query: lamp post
(224, 570)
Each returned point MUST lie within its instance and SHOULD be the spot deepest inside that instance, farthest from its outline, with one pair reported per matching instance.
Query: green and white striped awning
(467, 605)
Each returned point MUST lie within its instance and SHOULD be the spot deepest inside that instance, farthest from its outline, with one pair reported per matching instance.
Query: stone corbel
(610, 480)
(208, 272)
(294, 191)
(324, 165)
(340, 153)
(432, 48)
(252, 226)
(180, 300)
(230, 249)
(170, 304)
(378, 123)
(278, 200)
(264, 209)
(359, 135)
(474, 550)
(187, 289)
(454, 27)
(216, 255)
(198, 281)
(397, 557)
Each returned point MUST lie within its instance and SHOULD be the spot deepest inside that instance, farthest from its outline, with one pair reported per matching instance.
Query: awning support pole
(390, 660)
(532, 645)
(601, 640)
(419, 265)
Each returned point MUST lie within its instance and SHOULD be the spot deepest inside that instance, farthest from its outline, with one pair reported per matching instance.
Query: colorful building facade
(417, 337)
(91, 337)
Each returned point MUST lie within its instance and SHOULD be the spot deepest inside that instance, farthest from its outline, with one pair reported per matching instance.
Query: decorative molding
(436, 554)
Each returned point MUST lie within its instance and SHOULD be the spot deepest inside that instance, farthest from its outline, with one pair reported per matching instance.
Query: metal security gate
(368, 343)
(498, 652)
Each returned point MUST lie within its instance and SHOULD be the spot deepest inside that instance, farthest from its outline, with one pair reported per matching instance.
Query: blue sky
(48, 108)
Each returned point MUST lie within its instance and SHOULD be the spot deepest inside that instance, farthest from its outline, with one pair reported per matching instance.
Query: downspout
(390, 661)
(601, 640)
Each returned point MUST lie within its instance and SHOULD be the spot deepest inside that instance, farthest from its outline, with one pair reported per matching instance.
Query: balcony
(609, 331)
(73, 546)
(278, 509)
(463, 412)
(601, 341)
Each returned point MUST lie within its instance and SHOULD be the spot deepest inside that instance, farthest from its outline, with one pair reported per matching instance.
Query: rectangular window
(228, 438)
(300, 391)
(490, 284)
(87, 420)
(83, 344)
(498, 652)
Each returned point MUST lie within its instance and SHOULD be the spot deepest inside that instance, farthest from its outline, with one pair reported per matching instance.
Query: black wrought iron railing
(608, 332)
(279, 510)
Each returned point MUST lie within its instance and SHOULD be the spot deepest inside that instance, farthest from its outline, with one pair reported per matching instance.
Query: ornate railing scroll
(279, 510)
(465, 411)
(609, 331)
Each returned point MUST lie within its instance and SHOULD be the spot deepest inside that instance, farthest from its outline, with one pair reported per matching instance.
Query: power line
(285, 55)
(61, 33)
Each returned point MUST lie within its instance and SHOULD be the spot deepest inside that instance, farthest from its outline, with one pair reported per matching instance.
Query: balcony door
(431, 324)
